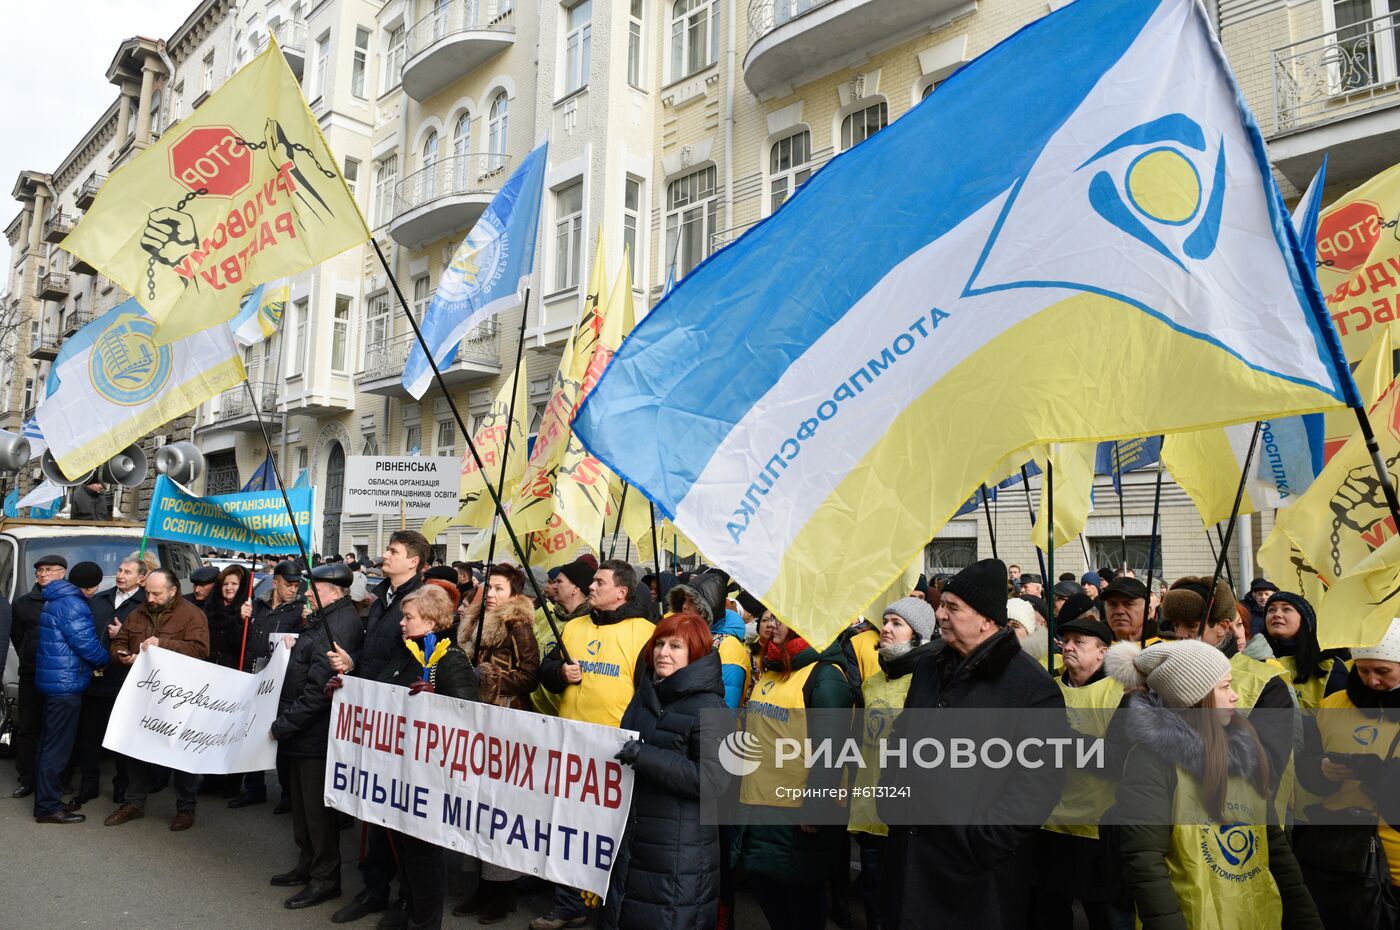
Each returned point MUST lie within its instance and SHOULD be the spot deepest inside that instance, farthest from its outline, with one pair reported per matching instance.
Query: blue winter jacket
(734, 675)
(68, 646)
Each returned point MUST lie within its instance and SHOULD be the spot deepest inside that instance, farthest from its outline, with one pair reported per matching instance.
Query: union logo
(477, 266)
(126, 366)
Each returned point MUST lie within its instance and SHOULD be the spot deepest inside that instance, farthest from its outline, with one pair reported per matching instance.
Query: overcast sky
(53, 63)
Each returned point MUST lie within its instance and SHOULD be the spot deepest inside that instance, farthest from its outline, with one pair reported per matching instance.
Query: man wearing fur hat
(956, 874)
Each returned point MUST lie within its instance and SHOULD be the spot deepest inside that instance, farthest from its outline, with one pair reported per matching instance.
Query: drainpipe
(732, 53)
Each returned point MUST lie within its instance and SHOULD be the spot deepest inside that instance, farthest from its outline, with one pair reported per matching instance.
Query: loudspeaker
(14, 451)
(180, 461)
(55, 474)
(128, 468)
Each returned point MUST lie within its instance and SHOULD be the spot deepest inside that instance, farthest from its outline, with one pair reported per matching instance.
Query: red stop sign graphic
(1346, 236)
(213, 159)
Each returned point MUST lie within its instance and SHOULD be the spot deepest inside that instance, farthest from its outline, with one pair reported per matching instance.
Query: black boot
(499, 904)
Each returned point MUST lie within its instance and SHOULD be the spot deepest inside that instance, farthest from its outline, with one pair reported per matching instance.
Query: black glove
(629, 752)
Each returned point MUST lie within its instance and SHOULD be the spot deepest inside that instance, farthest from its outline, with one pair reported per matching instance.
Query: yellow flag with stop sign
(241, 192)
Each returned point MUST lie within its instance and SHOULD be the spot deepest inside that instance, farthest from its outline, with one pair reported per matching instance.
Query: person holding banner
(301, 730)
(224, 610)
(667, 869)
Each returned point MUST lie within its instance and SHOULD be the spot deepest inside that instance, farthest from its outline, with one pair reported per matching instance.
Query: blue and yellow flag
(260, 314)
(811, 432)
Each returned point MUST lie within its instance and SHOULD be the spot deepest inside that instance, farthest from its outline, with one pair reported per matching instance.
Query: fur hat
(916, 612)
(983, 585)
(1387, 650)
(1181, 672)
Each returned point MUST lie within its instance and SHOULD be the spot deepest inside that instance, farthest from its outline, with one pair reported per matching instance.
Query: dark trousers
(256, 782)
(143, 776)
(423, 878)
(55, 745)
(791, 906)
(315, 827)
(377, 867)
(87, 754)
(29, 721)
(872, 847)
(568, 902)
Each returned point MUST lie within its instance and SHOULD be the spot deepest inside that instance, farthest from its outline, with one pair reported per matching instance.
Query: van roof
(35, 529)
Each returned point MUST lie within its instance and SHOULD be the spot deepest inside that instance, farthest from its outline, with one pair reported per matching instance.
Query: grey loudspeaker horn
(180, 461)
(128, 468)
(55, 474)
(14, 451)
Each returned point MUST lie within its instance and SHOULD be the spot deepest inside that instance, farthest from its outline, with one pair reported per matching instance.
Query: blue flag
(264, 478)
(1131, 454)
(487, 276)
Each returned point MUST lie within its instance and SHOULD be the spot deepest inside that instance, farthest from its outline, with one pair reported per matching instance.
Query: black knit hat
(86, 575)
(983, 586)
(1308, 655)
(580, 573)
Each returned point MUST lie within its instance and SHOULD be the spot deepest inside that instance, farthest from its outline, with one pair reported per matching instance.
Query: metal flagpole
(1152, 548)
(510, 422)
(476, 455)
(991, 530)
(1030, 511)
(1050, 564)
(1230, 527)
(655, 546)
(617, 527)
(1122, 521)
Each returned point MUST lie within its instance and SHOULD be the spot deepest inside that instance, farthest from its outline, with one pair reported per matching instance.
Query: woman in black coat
(225, 612)
(666, 876)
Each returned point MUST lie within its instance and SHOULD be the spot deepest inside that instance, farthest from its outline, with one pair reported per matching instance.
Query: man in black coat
(92, 501)
(405, 559)
(972, 866)
(110, 608)
(24, 634)
(301, 730)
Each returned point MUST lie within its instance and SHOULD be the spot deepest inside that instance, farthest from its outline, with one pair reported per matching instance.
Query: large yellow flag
(1206, 464)
(242, 191)
(1357, 610)
(496, 432)
(1074, 490)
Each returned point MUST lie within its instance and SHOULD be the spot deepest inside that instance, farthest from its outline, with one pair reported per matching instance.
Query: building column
(123, 118)
(143, 111)
(36, 221)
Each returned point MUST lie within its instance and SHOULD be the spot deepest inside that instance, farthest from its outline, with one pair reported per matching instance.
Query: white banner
(195, 716)
(541, 795)
(414, 485)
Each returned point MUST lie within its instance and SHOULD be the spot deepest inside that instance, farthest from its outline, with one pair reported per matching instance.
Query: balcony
(478, 358)
(76, 321)
(232, 410)
(291, 38)
(52, 286)
(790, 40)
(79, 266)
(87, 191)
(57, 227)
(1338, 94)
(453, 41)
(44, 347)
(446, 197)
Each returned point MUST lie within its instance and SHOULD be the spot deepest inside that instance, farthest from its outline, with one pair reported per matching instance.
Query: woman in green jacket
(1192, 806)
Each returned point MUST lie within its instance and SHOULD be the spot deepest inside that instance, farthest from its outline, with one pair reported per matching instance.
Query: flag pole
(991, 530)
(1030, 511)
(1229, 574)
(1050, 564)
(510, 423)
(1152, 548)
(287, 503)
(1122, 520)
(1378, 462)
(471, 447)
(1229, 529)
(617, 527)
(655, 546)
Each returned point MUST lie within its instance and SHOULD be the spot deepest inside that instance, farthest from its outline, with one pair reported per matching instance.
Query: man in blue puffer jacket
(68, 652)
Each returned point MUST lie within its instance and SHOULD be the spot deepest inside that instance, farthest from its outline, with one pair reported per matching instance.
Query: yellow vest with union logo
(607, 657)
(776, 709)
(884, 699)
(1347, 729)
(1086, 795)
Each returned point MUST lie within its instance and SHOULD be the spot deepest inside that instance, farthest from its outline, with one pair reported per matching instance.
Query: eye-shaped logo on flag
(1150, 183)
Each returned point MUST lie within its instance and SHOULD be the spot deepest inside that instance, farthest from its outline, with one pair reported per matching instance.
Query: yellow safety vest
(1311, 692)
(884, 699)
(1086, 795)
(866, 644)
(607, 656)
(732, 651)
(1220, 871)
(1345, 728)
(777, 708)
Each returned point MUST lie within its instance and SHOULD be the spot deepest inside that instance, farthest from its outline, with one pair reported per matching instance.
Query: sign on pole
(414, 485)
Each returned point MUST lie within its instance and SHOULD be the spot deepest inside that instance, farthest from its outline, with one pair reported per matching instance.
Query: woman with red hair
(667, 870)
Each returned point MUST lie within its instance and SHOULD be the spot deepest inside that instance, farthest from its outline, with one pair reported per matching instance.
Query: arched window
(789, 166)
(461, 148)
(862, 124)
(430, 157)
(496, 131)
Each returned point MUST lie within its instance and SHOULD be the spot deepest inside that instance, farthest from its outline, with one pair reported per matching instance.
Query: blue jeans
(55, 746)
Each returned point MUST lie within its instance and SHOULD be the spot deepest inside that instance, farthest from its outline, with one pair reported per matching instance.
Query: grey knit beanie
(1181, 672)
(916, 612)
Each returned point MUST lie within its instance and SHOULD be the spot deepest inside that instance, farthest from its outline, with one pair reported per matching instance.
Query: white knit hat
(1022, 612)
(1387, 650)
(1181, 672)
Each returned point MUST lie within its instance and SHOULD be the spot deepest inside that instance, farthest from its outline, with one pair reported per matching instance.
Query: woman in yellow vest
(788, 857)
(906, 636)
(1290, 629)
(1349, 850)
(1197, 852)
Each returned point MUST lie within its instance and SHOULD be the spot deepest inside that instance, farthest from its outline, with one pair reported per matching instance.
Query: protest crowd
(694, 642)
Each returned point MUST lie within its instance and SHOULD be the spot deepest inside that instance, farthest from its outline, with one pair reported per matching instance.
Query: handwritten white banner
(195, 716)
(537, 794)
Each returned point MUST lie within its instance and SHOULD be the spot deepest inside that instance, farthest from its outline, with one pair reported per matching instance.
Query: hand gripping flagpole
(476, 456)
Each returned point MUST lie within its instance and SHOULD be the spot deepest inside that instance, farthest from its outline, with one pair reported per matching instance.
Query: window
(357, 67)
(441, 9)
(691, 209)
(28, 395)
(77, 317)
(340, 335)
(370, 447)
(863, 124)
(413, 440)
(1108, 550)
(352, 176)
(301, 460)
(788, 167)
(422, 294)
(176, 99)
(568, 235)
(578, 40)
(496, 131)
(296, 346)
(156, 100)
(393, 59)
(634, 45)
(446, 437)
(950, 556)
(694, 36)
(1364, 41)
(631, 219)
(430, 157)
(323, 59)
(461, 148)
(206, 81)
(928, 89)
(386, 176)
(376, 322)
